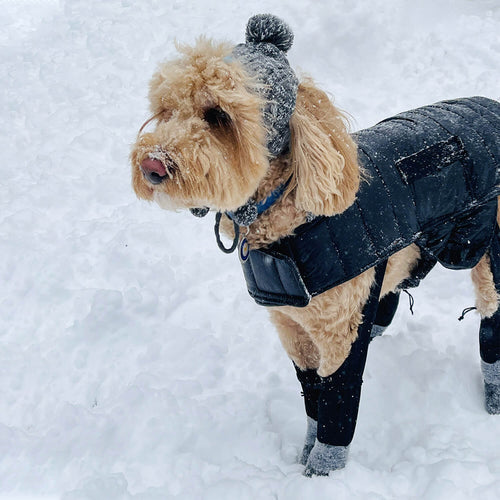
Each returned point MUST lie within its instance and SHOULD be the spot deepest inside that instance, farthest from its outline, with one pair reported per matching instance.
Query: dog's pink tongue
(149, 166)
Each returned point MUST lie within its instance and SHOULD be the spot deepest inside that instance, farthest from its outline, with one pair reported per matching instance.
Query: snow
(133, 364)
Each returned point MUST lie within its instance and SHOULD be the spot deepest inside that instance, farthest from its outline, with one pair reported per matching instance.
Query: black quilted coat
(432, 180)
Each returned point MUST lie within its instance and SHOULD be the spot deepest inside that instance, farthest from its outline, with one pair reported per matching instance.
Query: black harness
(432, 181)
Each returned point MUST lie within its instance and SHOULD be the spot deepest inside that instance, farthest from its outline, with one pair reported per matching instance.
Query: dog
(330, 226)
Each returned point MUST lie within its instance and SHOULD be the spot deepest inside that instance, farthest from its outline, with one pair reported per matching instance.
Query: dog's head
(223, 113)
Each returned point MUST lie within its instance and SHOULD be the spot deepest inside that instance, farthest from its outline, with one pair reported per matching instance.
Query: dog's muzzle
(156, 171)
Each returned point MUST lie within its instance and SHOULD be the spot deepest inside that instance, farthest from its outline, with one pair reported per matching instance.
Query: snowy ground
(133, 365)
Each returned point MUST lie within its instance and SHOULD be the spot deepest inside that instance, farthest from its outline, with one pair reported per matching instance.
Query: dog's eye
(166, 114)
(216, 117)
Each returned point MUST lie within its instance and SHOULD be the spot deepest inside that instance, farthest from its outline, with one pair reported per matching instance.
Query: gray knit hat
(268, 39)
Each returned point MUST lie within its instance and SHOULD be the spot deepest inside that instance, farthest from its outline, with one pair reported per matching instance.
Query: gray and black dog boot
(386, 310)
(310, 439)
(338, 403)
(489, 349)
(325, 458)
(311, 386)
(491, 374)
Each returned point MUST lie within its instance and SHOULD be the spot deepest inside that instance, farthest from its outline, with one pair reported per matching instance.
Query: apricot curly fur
(218, 168)
(222, 166)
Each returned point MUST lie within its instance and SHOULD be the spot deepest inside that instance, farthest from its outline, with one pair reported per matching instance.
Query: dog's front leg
(338, 393)
(305, 357)
(331, 320)
(338, 403)
(332, 312)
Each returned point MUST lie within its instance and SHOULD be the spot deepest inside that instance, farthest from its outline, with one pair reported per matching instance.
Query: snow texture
(133, 364)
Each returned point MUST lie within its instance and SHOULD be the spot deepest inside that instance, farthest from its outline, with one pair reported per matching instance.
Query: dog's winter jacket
(431, 179)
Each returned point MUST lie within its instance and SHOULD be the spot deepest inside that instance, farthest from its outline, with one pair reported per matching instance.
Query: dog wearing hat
(330, 226)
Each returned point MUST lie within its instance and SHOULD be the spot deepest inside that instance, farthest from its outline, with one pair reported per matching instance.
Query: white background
(133, 364)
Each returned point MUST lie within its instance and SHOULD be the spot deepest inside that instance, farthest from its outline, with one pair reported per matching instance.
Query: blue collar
(248, 213)
(275, 195)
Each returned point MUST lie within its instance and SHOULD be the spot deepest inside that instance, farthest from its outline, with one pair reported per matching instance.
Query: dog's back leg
(386, 310)
(489, 338)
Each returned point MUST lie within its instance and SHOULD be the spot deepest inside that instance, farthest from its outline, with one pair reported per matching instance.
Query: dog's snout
(154, 170)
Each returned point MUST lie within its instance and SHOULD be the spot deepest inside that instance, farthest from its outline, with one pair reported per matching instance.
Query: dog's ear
(324, 156)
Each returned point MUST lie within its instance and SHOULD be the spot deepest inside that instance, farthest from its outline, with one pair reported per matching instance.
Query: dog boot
(310, 439)
(325, 458)
(385, 313)
(489, 348)
(491, 374)
(311, 386)
(337, 414)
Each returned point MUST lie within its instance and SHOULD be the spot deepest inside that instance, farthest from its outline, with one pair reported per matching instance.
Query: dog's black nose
(154, 170)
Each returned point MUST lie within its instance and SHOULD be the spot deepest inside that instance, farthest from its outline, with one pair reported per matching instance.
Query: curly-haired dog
(335, 224)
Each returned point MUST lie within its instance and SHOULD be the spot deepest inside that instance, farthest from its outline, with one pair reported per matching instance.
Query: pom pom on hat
(266, 28)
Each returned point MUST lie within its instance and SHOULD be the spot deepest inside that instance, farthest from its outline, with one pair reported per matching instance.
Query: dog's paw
(304, 455)
(492, 398)
(325, 458)
(310, 439)
(491, 374)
